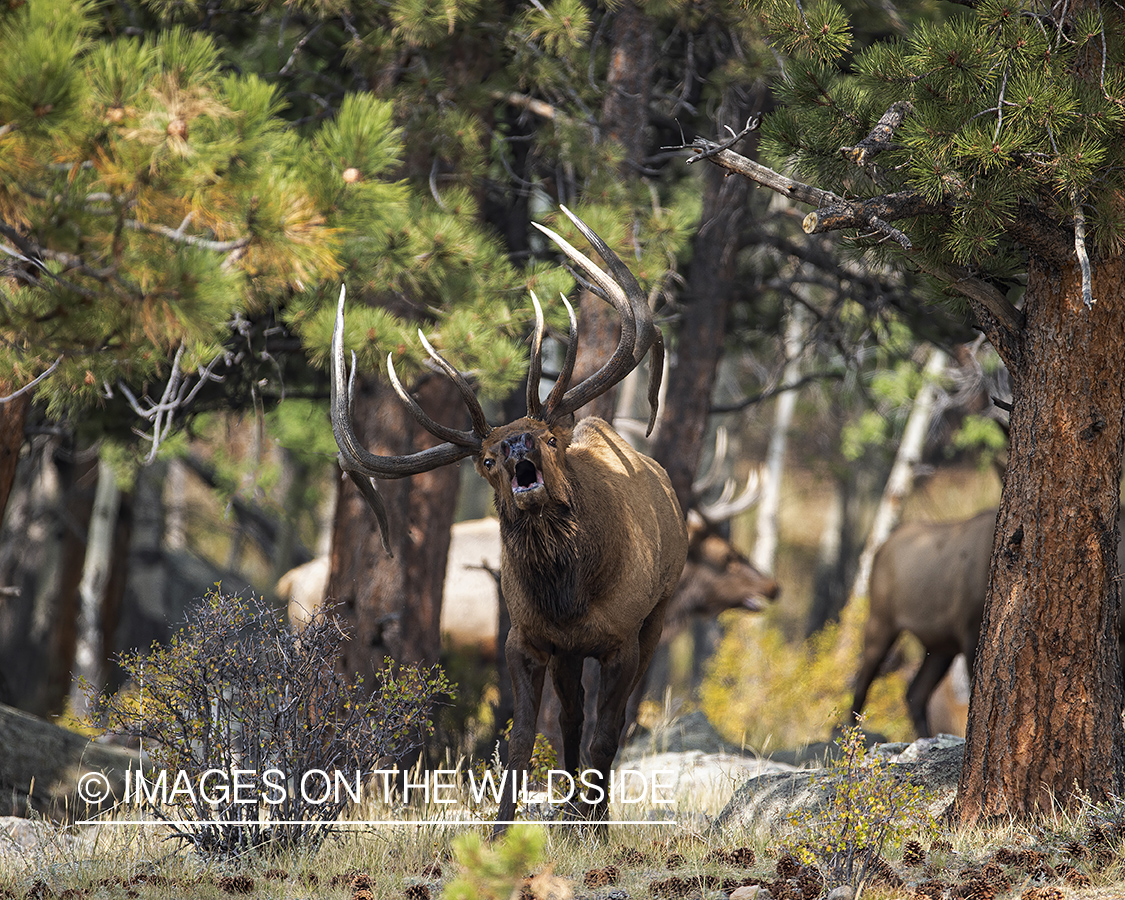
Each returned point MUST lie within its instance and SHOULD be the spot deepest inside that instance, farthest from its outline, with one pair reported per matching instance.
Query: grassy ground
(1071, 857)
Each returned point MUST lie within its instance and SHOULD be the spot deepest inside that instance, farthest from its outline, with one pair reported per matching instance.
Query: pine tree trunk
(710, 282)
(1045, 714)
(393, 604)
(624, 120)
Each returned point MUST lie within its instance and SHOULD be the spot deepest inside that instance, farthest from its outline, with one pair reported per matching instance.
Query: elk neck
(542, 554)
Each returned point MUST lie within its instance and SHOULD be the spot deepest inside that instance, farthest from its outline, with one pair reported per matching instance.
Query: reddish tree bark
(393, 605)
(1044, 719)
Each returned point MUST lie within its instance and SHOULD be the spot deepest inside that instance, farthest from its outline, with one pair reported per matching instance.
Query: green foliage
(495, 872)
(1010, 107)
(237, 691)
(870, 809)
(981, 434)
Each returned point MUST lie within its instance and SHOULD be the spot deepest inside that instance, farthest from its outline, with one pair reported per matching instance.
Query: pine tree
(987, 150)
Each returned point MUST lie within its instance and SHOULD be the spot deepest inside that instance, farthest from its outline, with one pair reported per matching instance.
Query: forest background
(184, 186)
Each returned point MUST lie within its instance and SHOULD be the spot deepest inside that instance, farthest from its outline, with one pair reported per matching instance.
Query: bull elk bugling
(592, 536)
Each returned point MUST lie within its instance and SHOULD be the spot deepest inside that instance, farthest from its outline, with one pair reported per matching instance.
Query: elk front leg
(566, 674)
(618, 676)
(527, 668)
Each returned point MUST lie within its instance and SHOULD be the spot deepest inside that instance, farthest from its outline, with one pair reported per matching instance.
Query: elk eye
(489, 463)
(551, 442)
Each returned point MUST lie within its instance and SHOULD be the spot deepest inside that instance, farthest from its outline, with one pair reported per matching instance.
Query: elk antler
(639, 333)
(727, 506)
(363, 466)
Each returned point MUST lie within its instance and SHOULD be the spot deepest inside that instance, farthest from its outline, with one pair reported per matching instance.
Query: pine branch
(38, 379)
(532, 105)
(192, 240)
(976, 289)
(835, 213)
(748, 168)
(875, 212)
(770, 393)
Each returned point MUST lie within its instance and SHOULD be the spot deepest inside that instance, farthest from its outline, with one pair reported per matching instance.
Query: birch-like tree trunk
(88, 657)
(901, 478)
(769, 505)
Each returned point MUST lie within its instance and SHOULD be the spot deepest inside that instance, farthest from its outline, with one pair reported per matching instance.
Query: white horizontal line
(367, 823)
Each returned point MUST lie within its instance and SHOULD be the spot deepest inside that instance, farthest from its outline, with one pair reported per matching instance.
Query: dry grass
(1077, 856)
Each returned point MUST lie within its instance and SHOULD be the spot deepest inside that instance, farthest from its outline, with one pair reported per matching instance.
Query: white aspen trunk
(95, 573)
(769, 504)
(175, 528)
(902, 472)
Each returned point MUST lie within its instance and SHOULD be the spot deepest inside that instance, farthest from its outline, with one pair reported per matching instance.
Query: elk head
(520, 460)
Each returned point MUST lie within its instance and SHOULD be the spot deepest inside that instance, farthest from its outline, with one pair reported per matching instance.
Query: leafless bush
(256, 740)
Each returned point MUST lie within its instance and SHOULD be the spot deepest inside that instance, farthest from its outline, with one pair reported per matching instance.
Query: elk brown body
(930, 579)
(592, 537)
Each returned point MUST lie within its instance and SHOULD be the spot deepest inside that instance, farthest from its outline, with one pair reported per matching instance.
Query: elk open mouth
(527, 477)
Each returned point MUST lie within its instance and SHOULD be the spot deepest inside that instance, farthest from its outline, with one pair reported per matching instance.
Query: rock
(769, 800)
(843, 892)
(700, 780)
(683, 735)
(752, 892)
(43, 766)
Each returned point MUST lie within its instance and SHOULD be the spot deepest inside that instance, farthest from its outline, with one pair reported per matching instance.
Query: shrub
(760, 689)
(869, 810)
(257, 741)
(499, 872)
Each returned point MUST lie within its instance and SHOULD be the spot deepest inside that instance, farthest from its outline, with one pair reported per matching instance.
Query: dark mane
(543, 554)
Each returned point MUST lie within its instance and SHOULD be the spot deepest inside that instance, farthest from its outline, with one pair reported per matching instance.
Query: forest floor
(1082, 856)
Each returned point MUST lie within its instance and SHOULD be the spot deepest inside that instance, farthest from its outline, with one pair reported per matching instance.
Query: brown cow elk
(592, 536)
(930, 579)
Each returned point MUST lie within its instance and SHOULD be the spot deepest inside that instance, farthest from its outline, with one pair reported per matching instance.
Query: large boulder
(768, 801)
(55, 772)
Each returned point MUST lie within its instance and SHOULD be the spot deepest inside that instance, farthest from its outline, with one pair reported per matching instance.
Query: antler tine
(718, 458)
(535, 364)
(470, 439)
(729, 506)
(481, 428)
(623, 292)
(361, 465)
(567, 370)
(648, 335)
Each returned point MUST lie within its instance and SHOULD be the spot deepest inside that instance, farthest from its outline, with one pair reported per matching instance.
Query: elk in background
(930, 579)
(592, 537)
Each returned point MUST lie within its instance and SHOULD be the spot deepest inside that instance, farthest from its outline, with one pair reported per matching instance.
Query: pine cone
(741, 858)
(788, 866)
(913, 855)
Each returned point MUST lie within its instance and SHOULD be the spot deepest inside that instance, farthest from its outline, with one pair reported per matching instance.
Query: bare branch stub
(880, 137)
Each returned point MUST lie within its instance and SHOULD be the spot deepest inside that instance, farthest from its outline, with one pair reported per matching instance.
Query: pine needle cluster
(1015, 114)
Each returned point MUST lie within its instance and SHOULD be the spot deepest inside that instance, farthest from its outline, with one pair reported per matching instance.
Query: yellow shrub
(761, 690)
